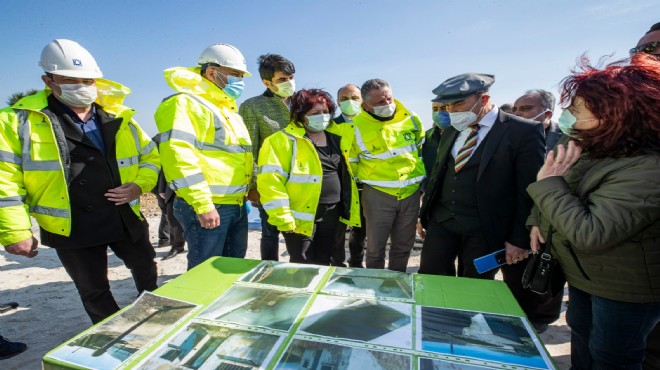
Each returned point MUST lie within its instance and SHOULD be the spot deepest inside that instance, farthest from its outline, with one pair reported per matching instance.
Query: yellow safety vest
(386, 155)
(290, 175)
(32, 180)
(204, 144)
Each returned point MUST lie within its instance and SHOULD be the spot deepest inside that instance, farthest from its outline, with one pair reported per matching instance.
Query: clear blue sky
(414, 45)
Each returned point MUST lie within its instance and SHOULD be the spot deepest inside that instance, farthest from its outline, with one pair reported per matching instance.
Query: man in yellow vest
(386, 159)
(207, 154)
(72, 157)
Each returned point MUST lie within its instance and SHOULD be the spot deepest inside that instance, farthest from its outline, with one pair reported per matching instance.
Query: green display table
(205, 283)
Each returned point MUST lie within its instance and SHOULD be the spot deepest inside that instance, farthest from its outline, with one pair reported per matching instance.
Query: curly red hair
(626, 100)
(303, 101)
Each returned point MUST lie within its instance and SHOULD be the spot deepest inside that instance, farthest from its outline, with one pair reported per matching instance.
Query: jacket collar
(190, 81)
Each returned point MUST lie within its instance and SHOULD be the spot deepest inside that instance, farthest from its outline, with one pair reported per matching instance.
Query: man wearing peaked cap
(475, 201)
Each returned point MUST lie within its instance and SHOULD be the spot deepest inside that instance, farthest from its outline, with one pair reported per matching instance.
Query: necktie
(466, 151)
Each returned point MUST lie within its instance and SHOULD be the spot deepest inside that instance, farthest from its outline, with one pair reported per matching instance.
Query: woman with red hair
(305, 182)
(597, 205)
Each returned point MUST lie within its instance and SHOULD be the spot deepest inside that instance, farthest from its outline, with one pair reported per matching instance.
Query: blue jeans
(607, 334)
(228, 240)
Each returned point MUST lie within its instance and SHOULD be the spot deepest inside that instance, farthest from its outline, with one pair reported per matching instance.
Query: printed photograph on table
(312, 355)
(204, 346)
(264, 307)
(288, 275)
(365, 320)
(370, 283)
(485, 336)
(436, 364)
(111, 343)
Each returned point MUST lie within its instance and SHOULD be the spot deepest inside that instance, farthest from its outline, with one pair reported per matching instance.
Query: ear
(547, 114)
(267, 83)
(46, 80)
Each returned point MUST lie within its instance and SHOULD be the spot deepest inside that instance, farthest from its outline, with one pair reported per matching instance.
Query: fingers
(534, 241)
(573, 153)
(420, 230)
(209, 220)
(561, 154)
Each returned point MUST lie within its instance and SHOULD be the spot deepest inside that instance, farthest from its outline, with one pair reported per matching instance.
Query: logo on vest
(408, 136)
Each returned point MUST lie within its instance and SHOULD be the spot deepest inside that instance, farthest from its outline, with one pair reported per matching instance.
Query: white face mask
(318, 122)
(537, 116)
(461, 120)
(385, 111)
(78, 95)
(350, 107)
(286, 89)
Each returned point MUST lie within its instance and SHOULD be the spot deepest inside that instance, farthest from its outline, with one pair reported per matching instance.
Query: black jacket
(89, 175)
(512, 155)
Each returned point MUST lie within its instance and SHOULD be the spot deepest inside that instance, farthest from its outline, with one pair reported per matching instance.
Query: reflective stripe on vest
(50, 211)
(394, 184)
(303, 216)
(271, 168)
(365, 153)
(304, 179)
(150, 166)
(228, 189)
(10, 157)
(277, 203)
(11, 201)
(126, 162)
(134, 202)
(26, 160)
(187, 181)
(218, 140)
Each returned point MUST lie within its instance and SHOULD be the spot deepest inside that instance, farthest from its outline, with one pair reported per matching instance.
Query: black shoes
(171, 254)
(540, 328)
(10, 349)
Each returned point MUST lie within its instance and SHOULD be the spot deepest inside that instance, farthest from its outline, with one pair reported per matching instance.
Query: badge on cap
(77, 62)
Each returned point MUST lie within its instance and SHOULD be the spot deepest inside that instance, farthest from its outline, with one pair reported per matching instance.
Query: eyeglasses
(649, 48)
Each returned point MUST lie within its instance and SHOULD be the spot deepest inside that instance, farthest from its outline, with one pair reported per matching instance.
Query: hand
(514, 254)
(27, 248)
(536, 239)
(254, 197)
(420, 230)
(210, 219)
(123, 193)
(560, 165)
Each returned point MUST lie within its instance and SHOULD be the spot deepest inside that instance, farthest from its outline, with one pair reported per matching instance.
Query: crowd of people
(480, 180)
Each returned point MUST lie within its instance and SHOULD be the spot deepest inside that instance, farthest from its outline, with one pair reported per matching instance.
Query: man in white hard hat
(207, 153)
(72, 157)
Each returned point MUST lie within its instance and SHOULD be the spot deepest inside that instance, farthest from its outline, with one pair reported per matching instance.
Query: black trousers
(270, 239)
(88, 268)
(356, 239)
(539, 308)
(448, 240)
(319, 247)
(175, 229)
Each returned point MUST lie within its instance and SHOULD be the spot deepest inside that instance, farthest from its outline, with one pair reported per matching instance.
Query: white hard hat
(67, 58)
(224, 55)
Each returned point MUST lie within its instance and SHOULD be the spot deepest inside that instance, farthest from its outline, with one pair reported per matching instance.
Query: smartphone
(490, 261)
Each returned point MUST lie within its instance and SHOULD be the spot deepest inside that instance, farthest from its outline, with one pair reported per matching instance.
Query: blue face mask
(234, 86)
(441, 119)
(566, 122)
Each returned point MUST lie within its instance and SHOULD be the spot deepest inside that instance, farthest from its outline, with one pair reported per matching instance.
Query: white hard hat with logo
(67, 58)
(224, 55)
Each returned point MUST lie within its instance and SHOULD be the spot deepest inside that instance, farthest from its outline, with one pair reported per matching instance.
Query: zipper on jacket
(575, 259)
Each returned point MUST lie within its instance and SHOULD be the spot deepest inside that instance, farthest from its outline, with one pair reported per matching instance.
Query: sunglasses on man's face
(649, 48)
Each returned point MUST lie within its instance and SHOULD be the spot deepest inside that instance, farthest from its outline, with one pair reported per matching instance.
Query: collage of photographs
(292, 316)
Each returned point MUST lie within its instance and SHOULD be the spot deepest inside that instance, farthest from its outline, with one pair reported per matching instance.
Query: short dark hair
(303, 100)
(547, 98)
(271, 63)
(655, 27)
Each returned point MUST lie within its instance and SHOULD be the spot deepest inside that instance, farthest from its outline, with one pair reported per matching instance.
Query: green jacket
(608, 212)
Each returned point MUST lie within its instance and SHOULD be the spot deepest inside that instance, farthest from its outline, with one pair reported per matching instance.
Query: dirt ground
(50, 311)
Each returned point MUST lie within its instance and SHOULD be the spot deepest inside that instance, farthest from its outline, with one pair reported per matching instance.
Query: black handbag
(543, 274)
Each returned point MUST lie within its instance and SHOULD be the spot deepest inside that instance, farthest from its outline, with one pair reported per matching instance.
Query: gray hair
(373, 84)
(547, 98)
